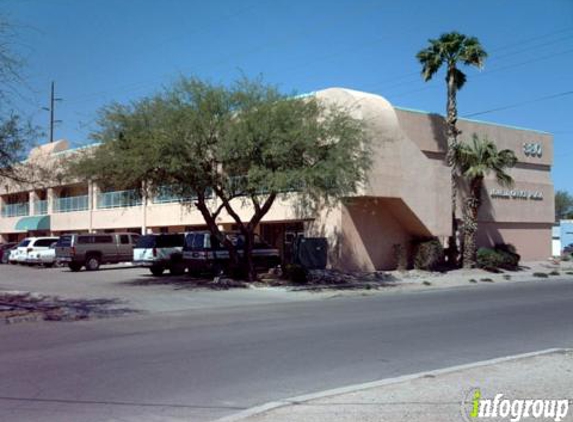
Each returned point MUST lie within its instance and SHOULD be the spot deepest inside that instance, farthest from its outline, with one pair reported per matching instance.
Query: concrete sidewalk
(443, 395)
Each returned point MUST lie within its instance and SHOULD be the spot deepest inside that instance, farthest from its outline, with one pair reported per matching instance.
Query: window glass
(124, 239)
(24, 243)
(146, 242)
(43, 242)
(103, 239)
(85, 239)
(169, 240)
(195, 241)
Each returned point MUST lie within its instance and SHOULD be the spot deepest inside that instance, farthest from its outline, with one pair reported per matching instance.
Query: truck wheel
(177, 269)
(157, 271)
(74, 266)
(92, 263)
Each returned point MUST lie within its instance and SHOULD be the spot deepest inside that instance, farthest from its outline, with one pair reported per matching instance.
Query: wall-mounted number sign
(532, 149)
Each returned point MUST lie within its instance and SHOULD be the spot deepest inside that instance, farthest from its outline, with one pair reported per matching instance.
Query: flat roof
(413, 110)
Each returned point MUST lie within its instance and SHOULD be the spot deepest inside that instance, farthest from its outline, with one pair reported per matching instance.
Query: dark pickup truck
(202, 252)
(92, 250)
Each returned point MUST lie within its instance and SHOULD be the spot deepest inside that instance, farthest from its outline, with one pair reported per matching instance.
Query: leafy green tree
(246, 145)
(448, 51)
(563, 205)
(15, 133)
(475, 161)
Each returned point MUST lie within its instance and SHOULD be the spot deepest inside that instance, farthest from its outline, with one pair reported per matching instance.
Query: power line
(535, 100)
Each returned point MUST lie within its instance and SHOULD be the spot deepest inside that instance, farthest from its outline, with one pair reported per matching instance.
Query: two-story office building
(407, 195)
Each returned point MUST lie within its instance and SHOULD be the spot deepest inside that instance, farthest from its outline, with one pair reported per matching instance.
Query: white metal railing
(118, 199)
(41, 207)
(71, 203)
(16, 210)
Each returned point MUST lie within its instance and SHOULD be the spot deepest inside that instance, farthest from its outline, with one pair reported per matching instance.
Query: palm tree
(474, 162)
(449, 50)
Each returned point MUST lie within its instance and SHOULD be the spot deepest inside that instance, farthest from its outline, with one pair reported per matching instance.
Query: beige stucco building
(407, 195)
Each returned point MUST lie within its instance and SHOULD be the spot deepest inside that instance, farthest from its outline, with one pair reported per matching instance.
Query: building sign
(516, 194)
(532, 149)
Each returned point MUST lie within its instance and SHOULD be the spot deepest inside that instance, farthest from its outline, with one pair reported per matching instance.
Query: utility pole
(53, 100)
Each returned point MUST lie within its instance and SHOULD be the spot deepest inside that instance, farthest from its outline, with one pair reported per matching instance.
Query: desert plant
(429, 255)
(475, 161)
(400, 257)
(499, 257)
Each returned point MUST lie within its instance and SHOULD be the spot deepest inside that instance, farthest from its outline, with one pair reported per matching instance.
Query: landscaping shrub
(554, 272)
(429, 255)
(501, 256)
(297, 274)
(541, 275)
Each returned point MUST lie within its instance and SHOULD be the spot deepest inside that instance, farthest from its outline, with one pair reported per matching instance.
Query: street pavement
(199, 365)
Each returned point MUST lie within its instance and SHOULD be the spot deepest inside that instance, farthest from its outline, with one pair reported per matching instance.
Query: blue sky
(100, 51)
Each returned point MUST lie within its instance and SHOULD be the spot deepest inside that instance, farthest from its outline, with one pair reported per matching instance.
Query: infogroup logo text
(516, 410)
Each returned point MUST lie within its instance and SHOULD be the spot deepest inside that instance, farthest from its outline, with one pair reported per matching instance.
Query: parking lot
(135, 288)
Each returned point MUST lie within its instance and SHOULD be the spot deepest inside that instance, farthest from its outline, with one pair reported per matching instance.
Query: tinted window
(24, 243)
(43, 242)
(169, 240)
(146, 242)
(134, 238)
(65, 241)
(85, 239)
(124, 239)
(195, 241)
(103, 239)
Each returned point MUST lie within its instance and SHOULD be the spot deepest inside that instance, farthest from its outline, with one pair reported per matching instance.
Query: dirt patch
(18, 307)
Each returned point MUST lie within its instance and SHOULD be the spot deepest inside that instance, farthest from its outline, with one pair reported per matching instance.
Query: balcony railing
(118, 199)
(71, 204)
(16, 210)
(166, 196)
(41, 207)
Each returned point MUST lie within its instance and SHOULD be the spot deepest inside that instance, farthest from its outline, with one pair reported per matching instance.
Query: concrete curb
(244, 414)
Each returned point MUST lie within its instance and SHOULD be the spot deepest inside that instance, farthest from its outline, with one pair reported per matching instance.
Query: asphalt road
(203, 364)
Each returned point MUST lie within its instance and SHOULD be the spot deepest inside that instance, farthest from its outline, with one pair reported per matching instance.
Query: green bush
(501, 256)
(429, 255)
(541, 275)
(297, 274)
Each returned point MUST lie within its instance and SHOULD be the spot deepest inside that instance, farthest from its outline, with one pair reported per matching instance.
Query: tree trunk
(248, 258)
(452, 133)
(471, 210)
(212, 225)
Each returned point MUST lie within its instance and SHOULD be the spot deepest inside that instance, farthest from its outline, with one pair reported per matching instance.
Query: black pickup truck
(202, 252)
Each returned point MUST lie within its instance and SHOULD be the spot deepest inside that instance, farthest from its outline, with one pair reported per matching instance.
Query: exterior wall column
(90, 205)
(32, 198)
(1, 203)
(92, 202)
(51, 201)
(144, 201)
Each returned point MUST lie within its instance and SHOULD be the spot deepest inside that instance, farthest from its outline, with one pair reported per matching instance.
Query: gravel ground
(444, 397)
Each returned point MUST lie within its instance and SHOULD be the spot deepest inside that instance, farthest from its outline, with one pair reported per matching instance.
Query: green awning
(40, 222)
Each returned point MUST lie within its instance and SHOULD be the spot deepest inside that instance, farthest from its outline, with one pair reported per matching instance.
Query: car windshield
(24, 243)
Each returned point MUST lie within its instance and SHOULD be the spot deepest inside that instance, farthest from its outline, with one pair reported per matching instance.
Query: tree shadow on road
(186, 282)
(17, 307)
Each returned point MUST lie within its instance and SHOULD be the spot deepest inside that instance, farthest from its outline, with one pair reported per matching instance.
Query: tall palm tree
(449, 50)
(475, 161)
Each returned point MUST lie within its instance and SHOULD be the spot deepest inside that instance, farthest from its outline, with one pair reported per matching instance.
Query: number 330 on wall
(532, 149)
